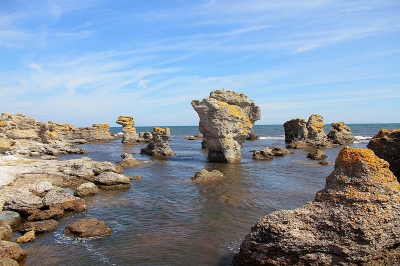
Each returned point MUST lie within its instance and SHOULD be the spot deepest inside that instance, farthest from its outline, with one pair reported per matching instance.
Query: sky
(83, 62)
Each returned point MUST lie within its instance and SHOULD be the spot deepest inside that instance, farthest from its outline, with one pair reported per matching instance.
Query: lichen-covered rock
(111, 180)
(226, 119)
(86, 189)
(204, 175)
(354, 220)
(128, 128)
(87, 228)
(340, 134)
(44, 226)
(386, 144)
(12, 251)
(159, 144)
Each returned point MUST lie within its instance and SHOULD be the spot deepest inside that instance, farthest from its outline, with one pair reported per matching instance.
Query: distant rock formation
(226, 120)
(354, 220)
(295, 130)
(386, 144)
(269, 153)
(127, 123)
(341, 134)
(159, 145)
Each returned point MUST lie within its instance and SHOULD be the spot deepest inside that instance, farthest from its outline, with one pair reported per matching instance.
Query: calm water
(165, 219)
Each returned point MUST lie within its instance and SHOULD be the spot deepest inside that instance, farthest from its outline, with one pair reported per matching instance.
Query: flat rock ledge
(354, 220)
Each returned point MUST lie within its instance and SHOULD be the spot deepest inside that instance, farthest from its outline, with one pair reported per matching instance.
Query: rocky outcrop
(341, 134)
(86, 189)
(159, 145)
(295, 130)
(204, 175)
(354, 220)
(97, 132)
(386, 144)
(128, 161)
(269, 153)
(111, 181)
(226, 119)
(87, 228)
(128, 128)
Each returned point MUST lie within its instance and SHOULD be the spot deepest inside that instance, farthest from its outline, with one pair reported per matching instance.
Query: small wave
(271, 137)
(362, 139)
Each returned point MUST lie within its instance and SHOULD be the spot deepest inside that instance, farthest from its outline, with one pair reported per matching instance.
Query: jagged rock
(264, 154)
(86, 189)
(27, 237)
(12, 218)
(4, 261)
(23, 201)
(354, 220)
(226, 118)
(127, 122)
(386, 144)
(12, 251)
(64, 200)
(145, 137)
(87, 228)
(44, 226)
(295, 130)
(317, 155)
(5, 231)
(341, 134)
(159, 145)
(111, 180)
(128, 161)
(204, 175)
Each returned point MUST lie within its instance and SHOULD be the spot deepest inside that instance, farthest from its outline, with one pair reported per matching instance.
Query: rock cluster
(354, 220)
(386, 144)
(269, 153)
(159, 144)
(226, 120)
(300, 134)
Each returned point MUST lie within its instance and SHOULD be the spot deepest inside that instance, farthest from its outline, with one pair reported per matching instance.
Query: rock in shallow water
(87, 228)
(354, 220)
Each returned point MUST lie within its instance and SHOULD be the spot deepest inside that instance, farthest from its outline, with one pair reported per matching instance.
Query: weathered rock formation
(269, 153)
(128, 161)
(386, 144)
(341, 134)
(204, 175)
(87, 228)
(40, 227)
(86, 189)
(354, 220)
(111, 181)
(317, 155)
(10, 251)
(295, 130)
(159, 145)
(128, 128)
(226, 120)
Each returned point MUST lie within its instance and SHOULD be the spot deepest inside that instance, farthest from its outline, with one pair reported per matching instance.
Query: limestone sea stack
(226, 121)
(128, 128)
(159, 144)
(354, 220)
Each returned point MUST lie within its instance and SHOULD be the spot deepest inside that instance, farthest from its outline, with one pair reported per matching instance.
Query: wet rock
(317, 155)
(226, 119)
(264, 154)
(128, 161)
(295, 130)
(4, 261)
(27, 237)
(23, 201)
(159, 145)
(63, 200)
(111, 180)
(12, 251)
(46, 213)
(86, 189)
(386, 144)
(341, 134)
(204, 175)
(10, 217)
(127, 122)
(5, 231)
(281, 152)
(44, 226)
(354, 220)
(87, 228)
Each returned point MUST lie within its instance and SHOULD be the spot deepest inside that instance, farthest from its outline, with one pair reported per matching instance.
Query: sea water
(166, 219)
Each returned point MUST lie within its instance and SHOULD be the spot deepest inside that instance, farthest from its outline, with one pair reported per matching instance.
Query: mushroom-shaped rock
(86, 189)
(87, 228)
(39, 226)
(340, 134)
(111, 180)
(204, 175)
(354, 220)
(128, 128)
(11, 250)
(226, 120)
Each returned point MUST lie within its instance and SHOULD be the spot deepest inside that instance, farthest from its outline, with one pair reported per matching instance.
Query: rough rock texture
(269, 153)
(159, 145)
(5, 231)
(86, 189)
(386, 144)
(317, 155)
(111, 180)
(23, 201)
(355, 220)
(11, 250)
(27, 237)
(87, 228)
(97, 132)
(226, 120)
(46, 213)
(340, 134)
(295, 130)
(204, 175)
(128, 161)
(128, 128)
(61, 199)
(5, 261)
(39, 226)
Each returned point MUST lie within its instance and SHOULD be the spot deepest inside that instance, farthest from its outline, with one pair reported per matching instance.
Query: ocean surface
(166, 219)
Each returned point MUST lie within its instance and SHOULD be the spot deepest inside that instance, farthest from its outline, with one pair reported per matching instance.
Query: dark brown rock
(264, 154)
(87, 228)
(39, 226)
(204, 175)
(295, 130)
(46, 213)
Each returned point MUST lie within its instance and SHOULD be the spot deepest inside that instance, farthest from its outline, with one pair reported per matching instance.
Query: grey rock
(86, 189)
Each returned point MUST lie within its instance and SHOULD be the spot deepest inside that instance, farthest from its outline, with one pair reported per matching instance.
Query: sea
(166, 219)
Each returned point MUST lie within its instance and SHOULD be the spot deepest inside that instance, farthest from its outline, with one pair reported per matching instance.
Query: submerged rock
(204, 175)
(386, 144)
(226, 120)
(159, 144)
(317, 155)
(270, 153)
(355, 220)
(341, 134)
(87, 228)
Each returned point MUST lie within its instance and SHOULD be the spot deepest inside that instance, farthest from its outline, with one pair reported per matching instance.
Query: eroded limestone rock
(341, 134)
(87, 228)
(354, 220)
(128, 128)
(159, 144)
(226, 120)
(204, 175)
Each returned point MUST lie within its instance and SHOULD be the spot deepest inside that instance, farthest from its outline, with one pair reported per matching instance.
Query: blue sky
(84, 62)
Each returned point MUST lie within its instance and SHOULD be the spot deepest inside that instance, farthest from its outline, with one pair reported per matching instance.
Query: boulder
(44, 226)
(12, 218)
(5, 231)
(159, 145)
(86, 189)
(12, 251)
(127, 122)
(264, 154)
(111, 180)
(63, 200)
(27, 237)
(23, 201)
(386, 144)
(341, 134)
(87, 228)
(226, 119)
(204, 175)
(354, 220)
(128, 161)
(317, 155)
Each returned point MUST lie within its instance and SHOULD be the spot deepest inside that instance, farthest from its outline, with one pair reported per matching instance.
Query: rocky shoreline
(352, 221)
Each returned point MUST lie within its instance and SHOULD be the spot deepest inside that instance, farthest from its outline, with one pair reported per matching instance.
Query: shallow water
(165, 219)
